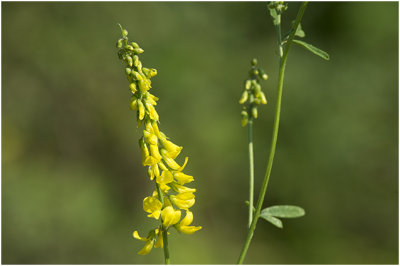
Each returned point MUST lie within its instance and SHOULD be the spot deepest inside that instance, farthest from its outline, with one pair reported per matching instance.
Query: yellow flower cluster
(252, 95)
(170, 197)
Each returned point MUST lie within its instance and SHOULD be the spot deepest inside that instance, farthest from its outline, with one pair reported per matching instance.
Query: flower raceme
(158, 155)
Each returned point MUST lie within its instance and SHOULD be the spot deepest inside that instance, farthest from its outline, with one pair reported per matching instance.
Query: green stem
(166, 250)
(264, 185)
(251, 164)
(164, 230)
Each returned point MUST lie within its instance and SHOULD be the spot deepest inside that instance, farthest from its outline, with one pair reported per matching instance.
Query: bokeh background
(72, 179)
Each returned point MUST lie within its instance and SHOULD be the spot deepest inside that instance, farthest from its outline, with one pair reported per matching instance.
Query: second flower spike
(252, 96)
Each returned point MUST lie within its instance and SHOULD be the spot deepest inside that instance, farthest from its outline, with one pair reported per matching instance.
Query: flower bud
(132, 86)
(141, 109)
(244, 97)
(254, 111)
(124, 33)
(263, 98)
(119, 43)
(128, 70)
(129, 60)
(247, 85)
(134, 45)
(264, 76)
(138, 50)
(134, 104)
(245, 118)
(254, 62)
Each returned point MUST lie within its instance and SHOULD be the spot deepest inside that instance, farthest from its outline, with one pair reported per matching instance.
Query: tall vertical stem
(251, 167)
(264, 185)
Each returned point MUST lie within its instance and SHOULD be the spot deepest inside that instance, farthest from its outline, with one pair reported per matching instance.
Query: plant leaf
(272, 220)
(274, 15)
(283, 211)
(313, 49)
(299, 32)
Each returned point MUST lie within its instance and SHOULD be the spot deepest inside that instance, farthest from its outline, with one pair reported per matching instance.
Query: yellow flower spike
(173, 149)
(184, 227)
(141, 109)
(153, 206)
(155, 152)
(165, 178)
(150, 138)
(183, 178)
(170, 216)
(183, 200)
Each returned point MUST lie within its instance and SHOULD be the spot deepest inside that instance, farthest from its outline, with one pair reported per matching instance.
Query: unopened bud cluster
(170, 197)
(252, 95)
(279, 6)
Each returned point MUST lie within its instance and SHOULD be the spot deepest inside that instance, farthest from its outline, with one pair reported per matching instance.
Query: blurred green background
(72, 179)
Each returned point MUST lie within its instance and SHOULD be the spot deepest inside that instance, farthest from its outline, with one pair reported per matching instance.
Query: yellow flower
(165, 178)
(150, 137)
(170, 216)
(183, 200)
(153, 206)
(160, 241)
(173, 149)
(183, 178)
(147, 247)
(155, 152)
(182, 189)
(184, 226)
(171, 162)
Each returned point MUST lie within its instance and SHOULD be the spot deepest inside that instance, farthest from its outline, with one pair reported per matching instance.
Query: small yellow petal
(136, 235)
(170, 216)
(183, 178)
(188, 229)
(147, 248)
(153, 206)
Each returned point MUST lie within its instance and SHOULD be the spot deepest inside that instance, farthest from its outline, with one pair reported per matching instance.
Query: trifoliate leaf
(313, 49)
(283, 211)
(272, 220)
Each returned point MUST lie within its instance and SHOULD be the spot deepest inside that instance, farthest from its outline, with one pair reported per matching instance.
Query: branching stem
(264, 185)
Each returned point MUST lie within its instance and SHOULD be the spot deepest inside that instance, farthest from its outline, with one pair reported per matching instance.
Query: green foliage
(270, 214)
(273, 220)
(313, 49)
(284, 211)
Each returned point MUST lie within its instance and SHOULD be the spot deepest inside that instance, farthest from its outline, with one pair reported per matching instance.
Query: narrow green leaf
(283, 211)
(272, 220)
(313, 49)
